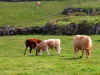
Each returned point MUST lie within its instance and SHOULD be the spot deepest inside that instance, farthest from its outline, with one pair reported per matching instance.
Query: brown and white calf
(31, 43)
(83, 43)
(46, 44)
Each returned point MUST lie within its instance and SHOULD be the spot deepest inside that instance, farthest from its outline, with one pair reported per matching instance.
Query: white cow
(50, 43)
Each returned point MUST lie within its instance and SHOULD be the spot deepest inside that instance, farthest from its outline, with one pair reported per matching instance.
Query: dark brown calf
(31, 43)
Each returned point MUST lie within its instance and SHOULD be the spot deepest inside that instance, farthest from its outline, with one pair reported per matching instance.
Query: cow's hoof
(31, 55)
(58, 54)
(80, 56)
(40, 54)
(87, 57)
(25, 55)
(62, 56)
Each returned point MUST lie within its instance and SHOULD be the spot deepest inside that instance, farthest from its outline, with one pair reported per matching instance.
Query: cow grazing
(31, 43)
(83, 43)
(38, 3)
(50, 43)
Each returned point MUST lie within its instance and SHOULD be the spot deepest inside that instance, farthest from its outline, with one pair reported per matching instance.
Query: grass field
(27, 14)
(13, 62)
(12, 59)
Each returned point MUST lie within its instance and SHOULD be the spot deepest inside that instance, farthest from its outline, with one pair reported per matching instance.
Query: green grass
(12, 59)
(27, 14)
(13, 62)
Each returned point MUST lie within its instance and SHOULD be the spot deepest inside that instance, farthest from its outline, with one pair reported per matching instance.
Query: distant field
(12, 61)
(26, 14)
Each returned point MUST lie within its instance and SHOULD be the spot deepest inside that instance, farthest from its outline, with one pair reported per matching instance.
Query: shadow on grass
(17, 56)
(66, 58)
(27, 56)
(97, 40)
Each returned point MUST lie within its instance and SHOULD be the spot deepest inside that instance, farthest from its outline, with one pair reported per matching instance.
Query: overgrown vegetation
(91, 20)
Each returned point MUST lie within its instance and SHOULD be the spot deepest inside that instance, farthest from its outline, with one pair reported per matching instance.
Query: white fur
(55, 43)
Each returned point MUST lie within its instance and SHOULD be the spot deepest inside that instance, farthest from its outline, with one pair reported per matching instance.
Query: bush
(79, 14)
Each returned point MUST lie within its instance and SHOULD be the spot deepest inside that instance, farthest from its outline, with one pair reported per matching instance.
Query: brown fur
(31, 43)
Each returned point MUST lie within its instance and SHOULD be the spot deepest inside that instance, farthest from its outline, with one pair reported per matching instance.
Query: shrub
(79, 14)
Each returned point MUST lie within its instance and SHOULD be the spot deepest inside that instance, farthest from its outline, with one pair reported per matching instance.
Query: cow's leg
(30, 51)
(41, 53)
(76, 52)
(37, 50)
(25, 50)
(59, 49)
(88, 53)
(47, 52)
(82, 53)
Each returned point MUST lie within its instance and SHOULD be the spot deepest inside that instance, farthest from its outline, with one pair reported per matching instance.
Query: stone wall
(82, 28)
(81, 11)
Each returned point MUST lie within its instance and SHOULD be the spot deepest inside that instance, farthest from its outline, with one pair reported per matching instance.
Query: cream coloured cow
(83, 43)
